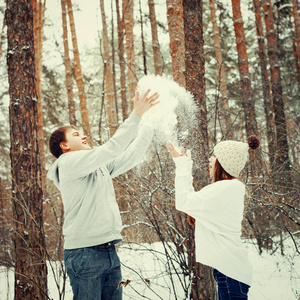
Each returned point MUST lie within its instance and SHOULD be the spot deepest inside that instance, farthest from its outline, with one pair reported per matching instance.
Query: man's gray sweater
(84, 178)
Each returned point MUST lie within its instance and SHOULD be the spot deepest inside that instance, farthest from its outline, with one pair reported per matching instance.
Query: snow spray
(175, 115)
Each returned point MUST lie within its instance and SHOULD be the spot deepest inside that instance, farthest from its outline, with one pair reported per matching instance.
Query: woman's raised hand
(175, 153)
(143, 104)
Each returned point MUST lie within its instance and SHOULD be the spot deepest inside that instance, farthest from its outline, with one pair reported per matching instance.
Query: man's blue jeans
(94, 272)
(230, 289)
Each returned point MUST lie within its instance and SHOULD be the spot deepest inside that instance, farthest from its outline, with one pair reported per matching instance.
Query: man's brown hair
(58, 136)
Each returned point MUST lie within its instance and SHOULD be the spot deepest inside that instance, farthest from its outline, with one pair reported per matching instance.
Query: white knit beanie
(233, 155)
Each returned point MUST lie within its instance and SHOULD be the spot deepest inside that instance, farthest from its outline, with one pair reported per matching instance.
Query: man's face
(74, 141)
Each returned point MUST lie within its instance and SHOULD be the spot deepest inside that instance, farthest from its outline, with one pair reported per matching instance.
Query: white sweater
(218, 211)
(84, 179)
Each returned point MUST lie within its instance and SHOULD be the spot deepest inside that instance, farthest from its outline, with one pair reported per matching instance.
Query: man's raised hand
(143, 104)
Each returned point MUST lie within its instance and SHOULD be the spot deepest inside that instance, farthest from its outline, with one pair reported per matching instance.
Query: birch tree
(27, 196)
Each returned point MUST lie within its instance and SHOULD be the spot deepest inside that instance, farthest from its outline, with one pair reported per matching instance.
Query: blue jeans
(94, 272)
(230, 289)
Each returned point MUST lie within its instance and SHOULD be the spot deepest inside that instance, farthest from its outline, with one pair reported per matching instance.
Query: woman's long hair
(219, 174)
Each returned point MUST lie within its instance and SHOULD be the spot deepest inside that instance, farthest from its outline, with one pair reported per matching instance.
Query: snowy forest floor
(276, 277)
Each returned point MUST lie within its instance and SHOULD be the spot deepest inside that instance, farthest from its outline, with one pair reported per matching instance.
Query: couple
(92, 221)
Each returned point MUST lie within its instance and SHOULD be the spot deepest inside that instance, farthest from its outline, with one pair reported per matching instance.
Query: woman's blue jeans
(94, 272)
(230, 289)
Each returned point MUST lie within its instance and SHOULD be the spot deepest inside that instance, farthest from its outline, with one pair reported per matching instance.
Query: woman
(218, 213)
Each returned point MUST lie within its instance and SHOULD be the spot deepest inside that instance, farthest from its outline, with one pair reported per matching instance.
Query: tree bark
(79, 76)
(282, 161)
(122, 62)
(38, 25)
(297, 28)
(127, 7)
(68, 68)
(112, 118)
(247, 93)
(268, 105)
(29, 243)
(158, 61)
(143, 40)
(225, 111)
(2, 36)
(176, 32)
(203, 286)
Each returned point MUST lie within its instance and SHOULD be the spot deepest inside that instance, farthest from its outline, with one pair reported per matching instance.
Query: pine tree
(27, 196)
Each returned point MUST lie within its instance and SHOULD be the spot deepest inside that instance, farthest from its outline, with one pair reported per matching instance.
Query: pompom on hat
(233, 155)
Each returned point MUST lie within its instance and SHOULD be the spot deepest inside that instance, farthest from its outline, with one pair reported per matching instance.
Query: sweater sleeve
(133, 154)
(218, 206)
(81, 163)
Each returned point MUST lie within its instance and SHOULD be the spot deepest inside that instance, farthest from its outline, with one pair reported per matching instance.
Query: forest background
(240, 60)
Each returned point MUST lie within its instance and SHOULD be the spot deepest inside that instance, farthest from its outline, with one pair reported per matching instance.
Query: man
(92, 222)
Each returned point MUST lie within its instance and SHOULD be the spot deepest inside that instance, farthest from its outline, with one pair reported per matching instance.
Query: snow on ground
(276, 277)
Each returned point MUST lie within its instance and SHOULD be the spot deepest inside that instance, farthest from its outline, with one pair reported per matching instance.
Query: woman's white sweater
(218, 211)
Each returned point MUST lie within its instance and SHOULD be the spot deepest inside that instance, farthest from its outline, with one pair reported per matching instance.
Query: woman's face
(212, 161)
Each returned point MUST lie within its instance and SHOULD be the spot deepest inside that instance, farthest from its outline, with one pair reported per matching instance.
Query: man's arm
(81, 163)
(133, 154)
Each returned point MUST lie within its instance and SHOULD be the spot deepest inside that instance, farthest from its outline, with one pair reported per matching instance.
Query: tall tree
(127, 8)
(143, 40)
(30, 264)
(79, 76)
(112, 118)
(297, 27)
(282, 161)
(38, 25)
(225, 111)
(122, 62)
(158, 62)
(68, 68)
(176, 32)
(247, 93)
(2, 35)
(203, 286)
(268, 105)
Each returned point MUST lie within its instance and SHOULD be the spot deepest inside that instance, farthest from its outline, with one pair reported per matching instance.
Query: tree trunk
(176, 32)
(30, 264)
(143, 40)
(225, 111)
(268, 105)
(297, 67)
(2, 36)
(297, 28)
(38, 25)
(158, 61)
(113, 56)
(282, 161)
(127, 7)
(68, 68)
(247, 94)
(79, 76)
(203, 286)
(122, 62)
(112, 118)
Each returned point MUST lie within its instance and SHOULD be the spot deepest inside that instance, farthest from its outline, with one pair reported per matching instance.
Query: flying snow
(176, 106)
